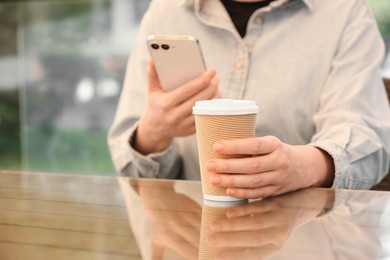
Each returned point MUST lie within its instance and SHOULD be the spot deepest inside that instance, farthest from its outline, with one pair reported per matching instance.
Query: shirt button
(239, 64)
(258, 20)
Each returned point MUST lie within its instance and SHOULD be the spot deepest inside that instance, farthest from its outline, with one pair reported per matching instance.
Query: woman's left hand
(270, 168)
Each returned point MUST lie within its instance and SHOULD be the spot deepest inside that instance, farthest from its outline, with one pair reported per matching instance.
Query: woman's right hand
(169, 114)
(259, 229)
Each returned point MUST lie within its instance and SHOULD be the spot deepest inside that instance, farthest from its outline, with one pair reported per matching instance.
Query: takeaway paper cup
(216, 120)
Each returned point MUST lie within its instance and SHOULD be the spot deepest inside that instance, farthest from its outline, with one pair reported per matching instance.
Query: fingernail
(211, 166)
(231, 192)
(215, 180)
(218, 147)
(231, 213)
(211, 72)
(215, 80)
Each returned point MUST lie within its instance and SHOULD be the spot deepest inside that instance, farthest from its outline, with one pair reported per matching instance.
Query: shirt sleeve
(353, 122)
(131, 105)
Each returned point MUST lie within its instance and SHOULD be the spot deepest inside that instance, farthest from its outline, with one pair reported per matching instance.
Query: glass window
(381, 11)
(62, 65)
(61, 72)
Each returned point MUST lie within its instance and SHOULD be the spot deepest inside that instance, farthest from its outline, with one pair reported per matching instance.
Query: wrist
(322, 168)
(146, 141)
(316, 165)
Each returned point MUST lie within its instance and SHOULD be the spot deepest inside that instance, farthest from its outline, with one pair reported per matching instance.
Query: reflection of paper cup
(212, 211)
(216, 120)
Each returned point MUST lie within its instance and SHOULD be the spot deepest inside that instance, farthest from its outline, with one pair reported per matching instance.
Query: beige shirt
(312, 66)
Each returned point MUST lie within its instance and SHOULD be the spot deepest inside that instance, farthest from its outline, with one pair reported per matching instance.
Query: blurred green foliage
(10, 147)
(73, 151)
(80, 150)
(28, 12)
(8, 29)
(381, 9)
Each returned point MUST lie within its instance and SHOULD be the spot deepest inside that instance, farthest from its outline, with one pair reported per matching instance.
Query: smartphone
(177, 58)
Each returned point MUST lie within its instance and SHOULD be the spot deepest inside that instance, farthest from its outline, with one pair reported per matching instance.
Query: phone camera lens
(165, 46)
(155, 46)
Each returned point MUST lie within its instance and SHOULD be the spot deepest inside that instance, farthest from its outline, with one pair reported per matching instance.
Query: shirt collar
(308, 3)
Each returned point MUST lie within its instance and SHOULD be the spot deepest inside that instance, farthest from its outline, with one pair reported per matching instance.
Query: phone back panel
(183, 61)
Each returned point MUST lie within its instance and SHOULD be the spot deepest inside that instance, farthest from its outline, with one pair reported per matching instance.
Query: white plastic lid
(225, 107)
(224, 202)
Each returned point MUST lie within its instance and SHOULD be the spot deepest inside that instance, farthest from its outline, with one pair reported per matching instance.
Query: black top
(240, 12)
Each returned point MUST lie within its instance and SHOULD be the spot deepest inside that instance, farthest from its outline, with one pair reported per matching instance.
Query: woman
(313, 68)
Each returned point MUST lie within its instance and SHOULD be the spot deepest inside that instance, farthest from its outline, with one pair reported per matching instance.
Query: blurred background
(62, 65)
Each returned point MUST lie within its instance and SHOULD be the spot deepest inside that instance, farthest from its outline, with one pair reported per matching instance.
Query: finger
(255, 207)
(183, 110)
(248, 181)
(177, 118)
(253, 221)
(180, 246)
(247, 165)
(216, 95)
(189, 219)
(247, 238)
(157, 250)
(189, 89)
(254, 253)
(249, 146)
(254, 193)
(186, 127)
(189, 234)
(153, 80)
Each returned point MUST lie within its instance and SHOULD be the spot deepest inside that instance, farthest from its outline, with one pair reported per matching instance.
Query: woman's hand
(271, 168)
(174, 219)
(169, 114)
(259, 229)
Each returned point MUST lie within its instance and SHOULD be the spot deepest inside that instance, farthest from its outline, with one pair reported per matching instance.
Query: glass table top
(53, 216)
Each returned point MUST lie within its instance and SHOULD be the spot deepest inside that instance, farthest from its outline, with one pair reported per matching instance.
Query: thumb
(153, 80)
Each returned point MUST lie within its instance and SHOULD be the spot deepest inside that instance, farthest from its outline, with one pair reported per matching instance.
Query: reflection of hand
(174, 220)
(270, 167)
(169, 114)
(259, 229)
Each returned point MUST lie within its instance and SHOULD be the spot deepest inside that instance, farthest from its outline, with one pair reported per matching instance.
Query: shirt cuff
(165, 164)
(339, 160)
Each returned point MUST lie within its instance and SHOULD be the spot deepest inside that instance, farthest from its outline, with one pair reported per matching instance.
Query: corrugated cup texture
(209, 214)
(213, 128)
(212, 211)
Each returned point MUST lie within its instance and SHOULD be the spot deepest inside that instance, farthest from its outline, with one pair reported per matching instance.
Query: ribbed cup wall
(213, 128)
(209, 214)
